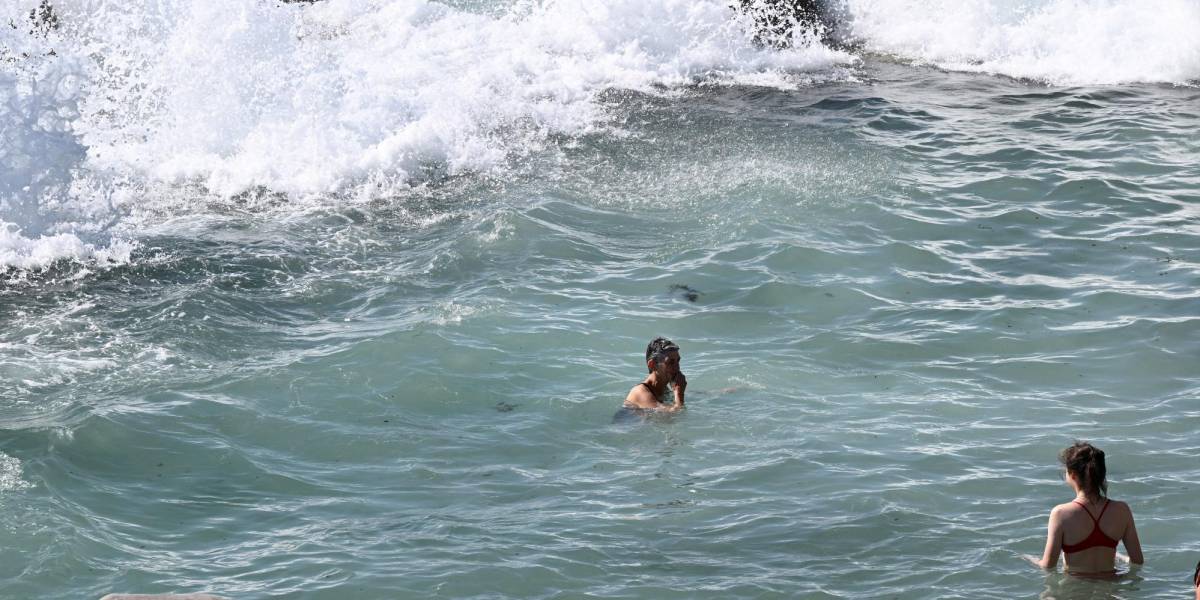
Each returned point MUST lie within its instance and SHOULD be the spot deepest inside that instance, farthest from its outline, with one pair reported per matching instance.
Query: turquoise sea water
(914, 286)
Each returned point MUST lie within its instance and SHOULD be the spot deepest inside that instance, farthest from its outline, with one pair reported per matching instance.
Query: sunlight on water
(339, 300)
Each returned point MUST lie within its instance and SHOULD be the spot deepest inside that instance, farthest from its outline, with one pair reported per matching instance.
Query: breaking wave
(123, 109)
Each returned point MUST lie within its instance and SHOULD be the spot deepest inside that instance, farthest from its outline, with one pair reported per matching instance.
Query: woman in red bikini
(1087, 529)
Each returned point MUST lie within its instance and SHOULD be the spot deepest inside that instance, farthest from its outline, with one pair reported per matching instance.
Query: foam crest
(1069, 42)
(17, 251)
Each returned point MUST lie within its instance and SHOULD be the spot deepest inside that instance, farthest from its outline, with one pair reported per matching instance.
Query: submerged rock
(685, 291)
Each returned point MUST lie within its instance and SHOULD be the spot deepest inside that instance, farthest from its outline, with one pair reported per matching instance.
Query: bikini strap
(1096, 519)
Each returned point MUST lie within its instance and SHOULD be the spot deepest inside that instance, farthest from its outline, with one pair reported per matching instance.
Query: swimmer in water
(1196, 580)
(662, 360)
(1087, 529)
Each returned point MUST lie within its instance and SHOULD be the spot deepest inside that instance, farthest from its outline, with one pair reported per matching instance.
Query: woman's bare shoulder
(1062, 511)
(1120, 507)
(1064, 507)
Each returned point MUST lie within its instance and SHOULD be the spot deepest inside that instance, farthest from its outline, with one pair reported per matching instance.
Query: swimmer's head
(1196, 577)
(659, 349)
(1085, 463)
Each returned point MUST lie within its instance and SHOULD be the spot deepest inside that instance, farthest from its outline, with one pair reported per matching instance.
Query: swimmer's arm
(1053, 541)
(678, 385)
(1132, 545)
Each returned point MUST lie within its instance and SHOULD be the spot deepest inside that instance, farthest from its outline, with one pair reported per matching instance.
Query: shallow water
(913, 286)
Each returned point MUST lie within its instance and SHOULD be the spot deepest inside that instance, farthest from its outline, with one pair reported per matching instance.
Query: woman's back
(1090, 532)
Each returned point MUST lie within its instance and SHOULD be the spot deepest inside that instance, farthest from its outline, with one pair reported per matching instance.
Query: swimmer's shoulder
(640, 397)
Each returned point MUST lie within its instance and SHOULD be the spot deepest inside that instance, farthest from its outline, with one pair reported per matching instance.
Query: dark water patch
(1082, 104)
(1026, 98)
(894, 123)
(843, 110)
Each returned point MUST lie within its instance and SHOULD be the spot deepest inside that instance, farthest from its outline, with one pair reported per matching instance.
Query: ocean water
(339, 300)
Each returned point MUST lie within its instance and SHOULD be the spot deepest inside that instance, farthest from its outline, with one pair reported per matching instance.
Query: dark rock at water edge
(43, 18)
(776, 20)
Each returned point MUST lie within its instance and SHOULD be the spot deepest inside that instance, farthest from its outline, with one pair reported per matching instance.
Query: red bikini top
(1095, 539)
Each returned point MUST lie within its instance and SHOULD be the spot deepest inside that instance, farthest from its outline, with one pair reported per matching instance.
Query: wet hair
(1196, 576)
(1086, 463)
(658, 348)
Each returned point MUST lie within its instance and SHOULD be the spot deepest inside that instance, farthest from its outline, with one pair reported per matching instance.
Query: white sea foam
(1070, 42)
(10, 474)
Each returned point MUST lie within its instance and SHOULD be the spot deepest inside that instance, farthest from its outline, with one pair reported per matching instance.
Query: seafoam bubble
(449, 313)
(10, 474)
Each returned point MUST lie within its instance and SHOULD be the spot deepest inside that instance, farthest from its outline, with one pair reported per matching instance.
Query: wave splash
(318, 99)
(1062, 42)
(45, 193)
(351, 97)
